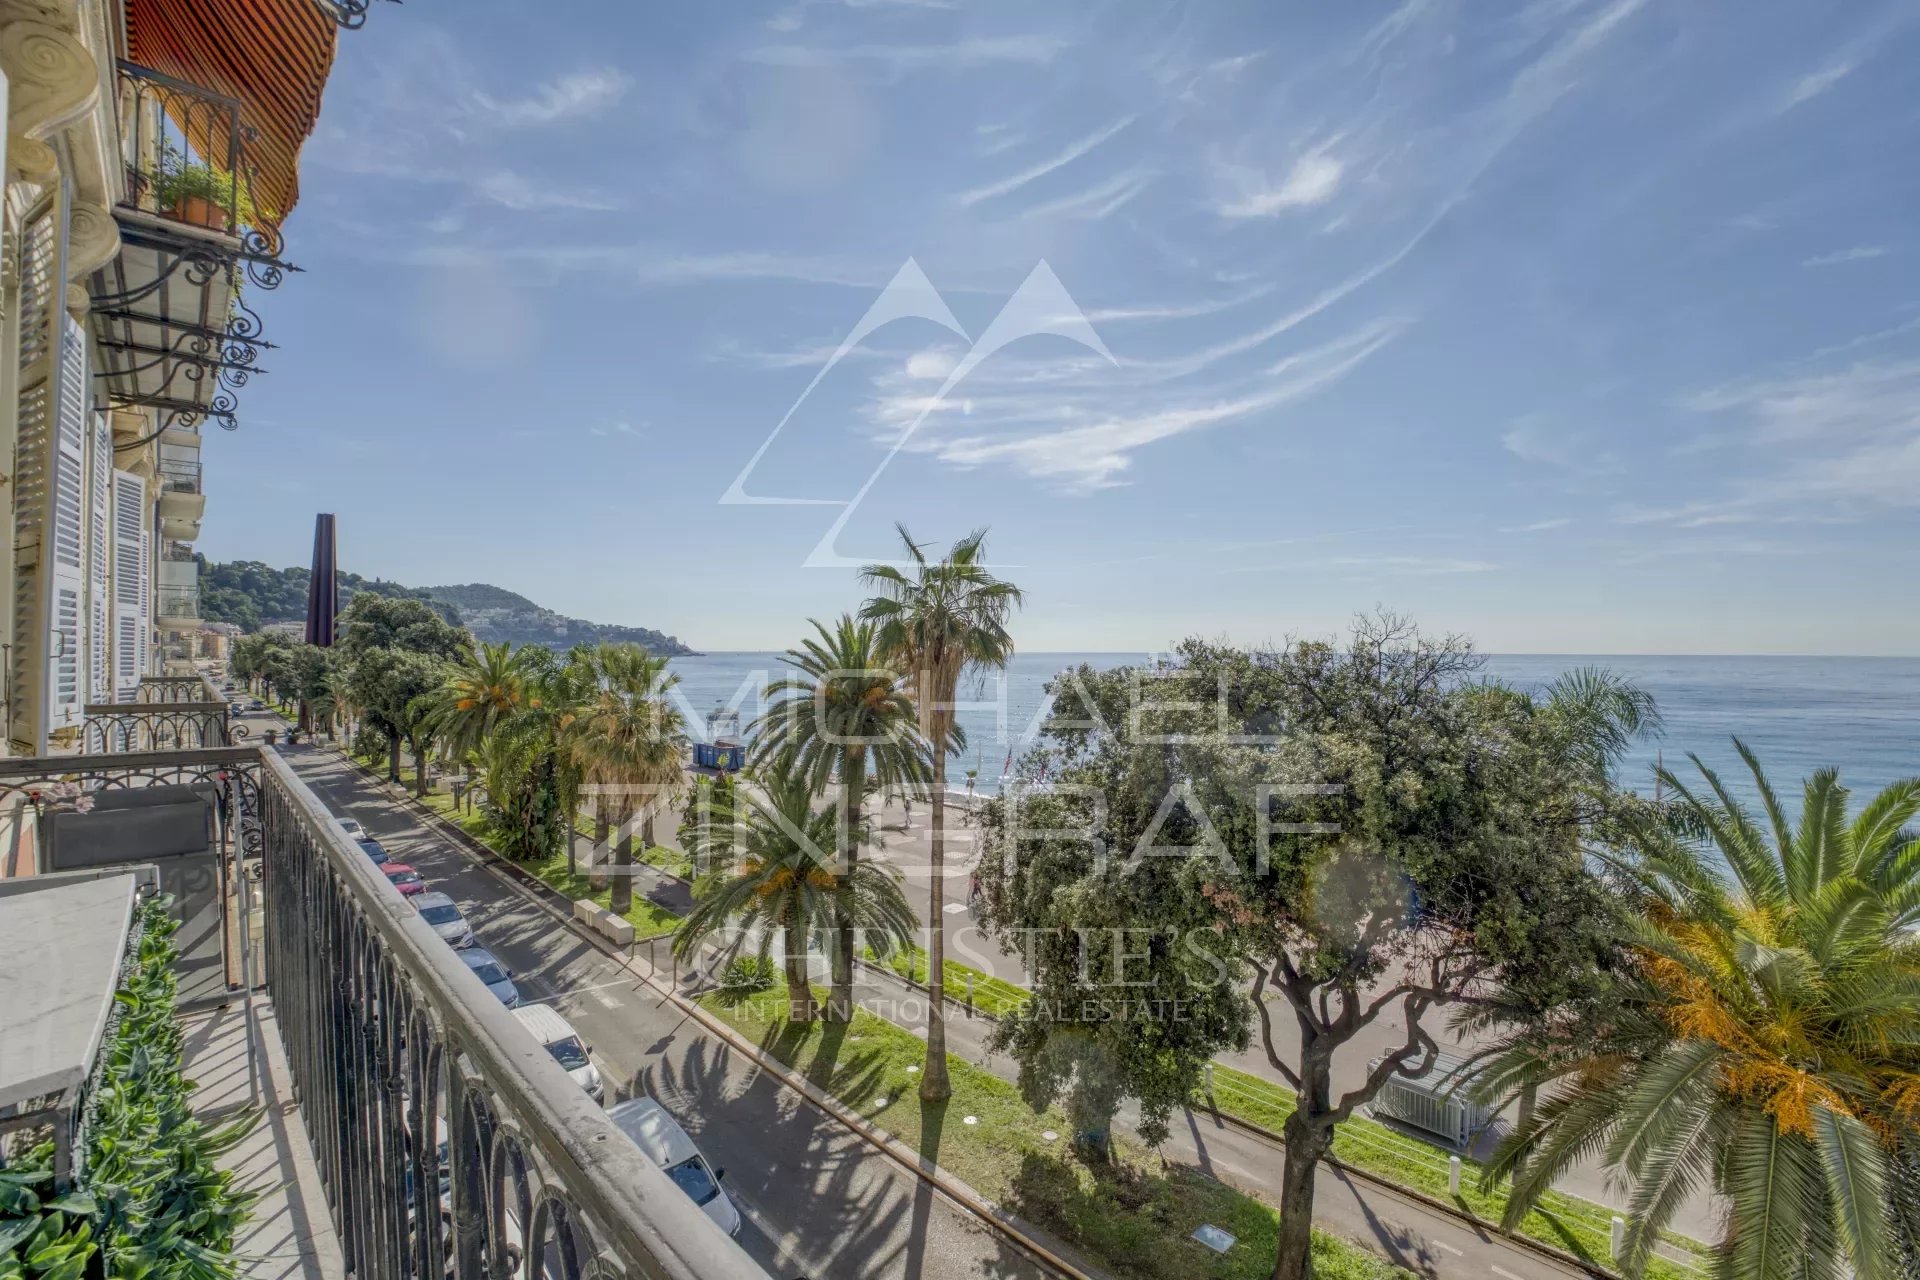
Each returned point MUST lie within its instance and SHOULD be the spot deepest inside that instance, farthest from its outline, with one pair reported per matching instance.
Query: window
(692, 1176)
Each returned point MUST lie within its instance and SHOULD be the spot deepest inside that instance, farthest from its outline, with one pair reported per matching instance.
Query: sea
(1798, 714)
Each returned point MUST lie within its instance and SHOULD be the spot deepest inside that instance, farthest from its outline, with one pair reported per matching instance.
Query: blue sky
(1576, 325)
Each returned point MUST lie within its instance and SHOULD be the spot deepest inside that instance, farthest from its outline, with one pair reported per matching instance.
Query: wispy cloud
(1060, 160)
(696, 268)
(1174, 310)
(1032, 50)
(1813, 85)
(1312, 180)
(1534, 439)
(1538, 526)
(1095, 446)
(1097, 201)
(576, 95)
(511, 189)
(1835, 442)
(1859, 253)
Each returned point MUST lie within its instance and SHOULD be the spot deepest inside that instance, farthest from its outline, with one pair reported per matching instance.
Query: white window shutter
(66, 666)
(48, 489)
(129, 586)
(99, 560)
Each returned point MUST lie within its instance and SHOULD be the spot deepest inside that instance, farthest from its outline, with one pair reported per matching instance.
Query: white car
(440, 911)
(662, 1140)
(351, 827)
(557, 1036)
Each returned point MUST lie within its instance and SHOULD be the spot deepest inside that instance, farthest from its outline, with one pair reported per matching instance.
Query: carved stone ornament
(52, 79)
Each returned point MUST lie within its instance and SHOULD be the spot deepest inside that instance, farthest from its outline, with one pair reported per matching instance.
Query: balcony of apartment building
(182, 499)
(197, 230)
(407, 1125)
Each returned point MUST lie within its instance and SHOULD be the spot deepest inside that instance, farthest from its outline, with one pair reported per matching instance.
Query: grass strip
(649, 919)
(1133, 1220)
(991, 995)
(1579, 1226)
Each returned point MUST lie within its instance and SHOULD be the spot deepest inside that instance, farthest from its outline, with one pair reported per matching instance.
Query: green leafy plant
(747, 976)
(42, 1236)
(181, 180)
(152, 1201)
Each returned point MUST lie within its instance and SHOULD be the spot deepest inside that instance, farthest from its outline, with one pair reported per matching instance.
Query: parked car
(498, 977)
(404, 878)
(256, 705)
(352, 827)
(557, 1036)
(371, 847)
(440, 911)
(662, 1140)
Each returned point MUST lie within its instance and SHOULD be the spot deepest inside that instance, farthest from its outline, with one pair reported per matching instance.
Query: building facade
(150, 157)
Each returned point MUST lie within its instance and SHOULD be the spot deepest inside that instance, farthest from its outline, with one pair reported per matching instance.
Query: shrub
(747, 976)
(151, 1199)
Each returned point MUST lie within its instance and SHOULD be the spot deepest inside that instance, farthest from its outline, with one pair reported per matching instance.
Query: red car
(404, 878)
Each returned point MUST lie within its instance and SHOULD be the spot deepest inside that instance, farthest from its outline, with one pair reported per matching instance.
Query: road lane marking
(1502, 1271)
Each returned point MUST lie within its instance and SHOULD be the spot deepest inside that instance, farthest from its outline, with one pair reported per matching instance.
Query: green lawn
(1133, 1221)
(647, 919)
(990, 994)
(1567, 1222)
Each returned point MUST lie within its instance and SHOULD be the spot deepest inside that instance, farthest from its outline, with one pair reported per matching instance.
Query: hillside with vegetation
(251, 595)
(494, 613)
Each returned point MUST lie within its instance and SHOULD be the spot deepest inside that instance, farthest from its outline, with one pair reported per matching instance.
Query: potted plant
(202, 195)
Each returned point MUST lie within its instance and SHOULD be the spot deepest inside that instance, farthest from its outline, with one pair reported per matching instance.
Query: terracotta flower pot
(202, 212)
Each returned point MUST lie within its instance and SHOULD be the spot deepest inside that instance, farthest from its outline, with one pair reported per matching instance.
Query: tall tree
(383, 622)
(394, 689)
(627, 740)
(773, 851)
(1375, 836)
(1765, 1040)
(843, 716)
(936, 622)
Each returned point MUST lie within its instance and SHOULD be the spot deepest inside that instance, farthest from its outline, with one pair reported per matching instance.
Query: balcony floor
(290, 1236)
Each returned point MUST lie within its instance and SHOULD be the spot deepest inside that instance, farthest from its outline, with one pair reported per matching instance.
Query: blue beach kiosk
(722, 752)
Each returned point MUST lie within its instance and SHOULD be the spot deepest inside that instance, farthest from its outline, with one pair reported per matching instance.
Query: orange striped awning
(273, 55)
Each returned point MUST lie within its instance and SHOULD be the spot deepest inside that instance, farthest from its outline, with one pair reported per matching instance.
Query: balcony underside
(172, 329)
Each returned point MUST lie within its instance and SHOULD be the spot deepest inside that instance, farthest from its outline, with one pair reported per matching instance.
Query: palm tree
(775, 850)
(946, 617)
(627, 740)
(489, 687)
(1765, 1040)
(844, 715)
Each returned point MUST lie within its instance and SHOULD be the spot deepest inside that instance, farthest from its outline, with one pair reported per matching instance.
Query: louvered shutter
(99, 560)
(129, 584)
(48, 483)
(66, 665)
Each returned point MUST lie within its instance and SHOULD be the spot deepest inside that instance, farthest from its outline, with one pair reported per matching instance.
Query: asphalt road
(818, 1201)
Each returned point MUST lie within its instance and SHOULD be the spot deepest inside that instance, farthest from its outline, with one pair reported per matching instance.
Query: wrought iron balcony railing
(185, 150)
(178, 689)
(450, 1144)
(177, 553)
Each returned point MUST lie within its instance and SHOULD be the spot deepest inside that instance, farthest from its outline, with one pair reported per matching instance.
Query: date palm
(842, 716)
(935, 623)
(626, 740)
(1766, 1041)
(774, 852)
(489, 688)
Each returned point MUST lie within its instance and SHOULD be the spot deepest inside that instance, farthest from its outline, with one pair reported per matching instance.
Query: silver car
(440, 911)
